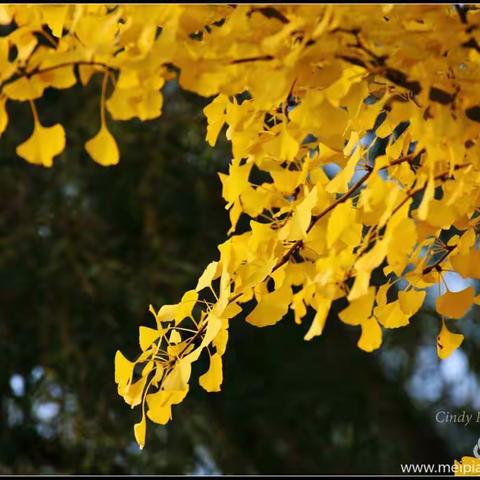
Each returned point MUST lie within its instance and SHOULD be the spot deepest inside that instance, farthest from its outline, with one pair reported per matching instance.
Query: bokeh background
(85, 249)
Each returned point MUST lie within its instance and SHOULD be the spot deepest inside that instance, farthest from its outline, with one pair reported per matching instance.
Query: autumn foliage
(298, 90)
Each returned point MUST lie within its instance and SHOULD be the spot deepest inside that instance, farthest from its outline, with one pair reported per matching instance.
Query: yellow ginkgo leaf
(391, 315)
(428, 197)
(161, 415)
(299, 308)
(221, 341)
(148, 368)
(207, 276)
(97, 33)
(341, 218)
(54, 16)
(103, 148)
(24, 89)
(359, 309)
(123, 369)
(285, 180)
(175, 337)
(371, 337)
(339, 183)
(147, 336)
(271, 308)
(63, 77)
(232, 310)
(135, 102)
(140, 430)
(288, 146)
(303, 213)
(411, 301)
(132, 393)
(455, 304)
(215, 113)
(160, 405)
(447, 342)
(467, 467)
(177, 380)
(44, 144)
(468, 265)
(236, 182)
(381, 295)
(213, 378)
(166, 313)
(322, 306)
(3, 115)
(5, 15)
(85, 73)
(185, 307)
(440, 215)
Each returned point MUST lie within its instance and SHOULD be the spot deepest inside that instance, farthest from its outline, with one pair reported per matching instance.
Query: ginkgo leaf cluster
(297, 89)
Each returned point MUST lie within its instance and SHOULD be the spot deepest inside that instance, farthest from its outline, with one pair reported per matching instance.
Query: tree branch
(315, 219)
(436, 265)
(261, 58)
(39, 71)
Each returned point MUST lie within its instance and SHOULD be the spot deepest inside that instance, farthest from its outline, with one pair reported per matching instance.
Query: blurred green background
(85, 249)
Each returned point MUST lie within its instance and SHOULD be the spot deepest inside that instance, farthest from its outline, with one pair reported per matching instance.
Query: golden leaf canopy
(300, 92)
